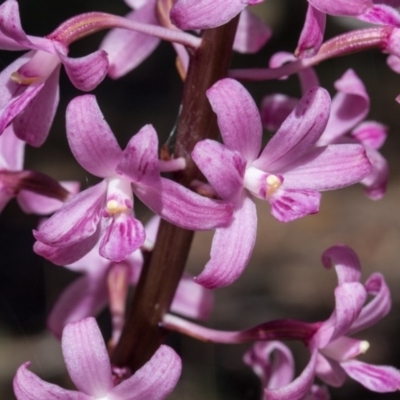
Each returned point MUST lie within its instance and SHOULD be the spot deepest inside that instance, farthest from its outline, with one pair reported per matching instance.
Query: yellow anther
(364, 346)
(273, 183)
(114, 207)
(16, 77)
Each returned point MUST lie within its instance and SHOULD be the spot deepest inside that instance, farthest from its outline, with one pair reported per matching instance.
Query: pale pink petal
(139, 161)
(192, 300)
(155, 380)
(28, 386)
(223, 168)
(329, 371)
(137, 3)
(12, 150)
(378, 378)
(204, 14)
(124, 235)
(381, 14)
(86, 72)
(394, 63)
(76, 220)
(231, 248)
(312, 34)
(376, 181)
(90, 138)
(86, 357)
(298, 133)
(288, 205)
(33, 124)
(371, 134)
(344, 348)
(127, 49)
(6, 43)
(85, 297)
(345, 261)
(342, 7)
(238, 117)
(251, 33)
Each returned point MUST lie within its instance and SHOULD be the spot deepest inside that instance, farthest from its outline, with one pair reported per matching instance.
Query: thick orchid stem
(160, 276)
(274, 330)
(348, 43)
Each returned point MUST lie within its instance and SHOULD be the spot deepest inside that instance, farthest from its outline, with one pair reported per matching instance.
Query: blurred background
(285, 278)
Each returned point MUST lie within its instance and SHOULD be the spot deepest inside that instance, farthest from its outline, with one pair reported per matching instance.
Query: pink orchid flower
(106, 210)
(127, 49)
(88, 365)
(88, 295)
(333, 351)
(289, 173)
(29, 89)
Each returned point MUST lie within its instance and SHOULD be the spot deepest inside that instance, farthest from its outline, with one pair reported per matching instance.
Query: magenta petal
(377, 308)
(127, 49)
(28, 386)
(76, 220)
(223, 168)
(155, 380)
(90, 138)
(139, 160)
(345, 261)
(86, 72)
(251, 33)
(376, 181)
(85, 297)
(12, 150)
(297, 389)
(204, 14)
(327, 168)
(6, 43)
(370, 134)
(342, 7)
(312, 34)
(381, 14)
(329, 371)
(378, 378)
(192, 300)
(68, 254)
(86, 357)
(125, 235)
(183, 207)
(33, 124)
(288, 205)
(10, 23)
(275, 109)
(231, 248)
(298, 133)
(238, 117)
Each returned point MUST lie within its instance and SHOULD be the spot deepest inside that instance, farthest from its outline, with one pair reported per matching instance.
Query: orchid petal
(394, 63)
(86, 357)
(275, 109)
(204, 14)
(33, 124)
(155, 380)
(127, 49)
(86, 72)
(192, 300)
(370, 134)
(251, 33)
(327, 168)
(349, 107)
(238, 117)
(297, 389)
(90, 138)
(125, 235)
(10, 23)
(345, 348)
(381, 14)
(312, 34)
(329, 371)
(183, 207)
(67, 254)
(223, 168)
(6, 43)
(378, 378)
(85, 297)
(301, 129)
(342, 7)
(139, 161)
(377, 308)
(33, 203)
(12, 151)
(5, 197)
(28, 386)
(345, 261)
(376, 181)
(137, 3)
(231, 247)
(76, 220)
(288, 205)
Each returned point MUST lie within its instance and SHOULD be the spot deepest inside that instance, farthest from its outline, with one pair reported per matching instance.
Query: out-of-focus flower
(89, 367)
(289, 173)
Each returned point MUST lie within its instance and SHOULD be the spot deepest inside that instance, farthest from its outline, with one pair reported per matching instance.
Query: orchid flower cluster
(211, 178)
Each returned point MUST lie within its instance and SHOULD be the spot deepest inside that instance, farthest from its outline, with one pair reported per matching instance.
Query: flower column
(142, 335)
